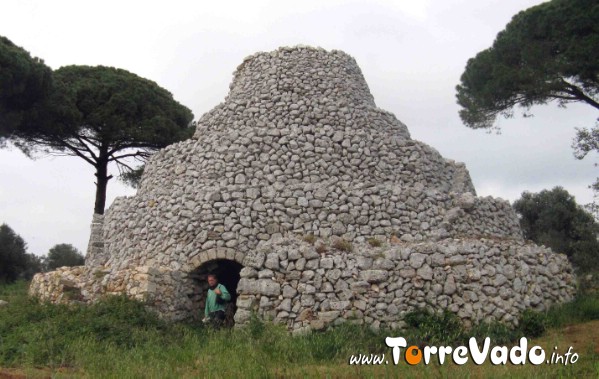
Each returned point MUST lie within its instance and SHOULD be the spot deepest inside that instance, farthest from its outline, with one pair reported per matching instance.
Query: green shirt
(211, 304)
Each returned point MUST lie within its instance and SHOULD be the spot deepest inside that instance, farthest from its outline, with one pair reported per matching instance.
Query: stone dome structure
(315, 207)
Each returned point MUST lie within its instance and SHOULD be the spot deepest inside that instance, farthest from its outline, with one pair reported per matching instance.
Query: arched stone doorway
(227, 271)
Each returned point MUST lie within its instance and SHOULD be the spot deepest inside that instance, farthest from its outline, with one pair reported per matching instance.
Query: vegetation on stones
(342, 245)
(552, 218)
(100, 274)
(321, 248)
(444, 328)
(435, 328)
(310, 238)
(374, 242)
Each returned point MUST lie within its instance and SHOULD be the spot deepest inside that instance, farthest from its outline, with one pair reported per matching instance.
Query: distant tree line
(16, 263)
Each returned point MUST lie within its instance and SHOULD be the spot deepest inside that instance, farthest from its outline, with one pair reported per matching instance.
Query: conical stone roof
(297, 146)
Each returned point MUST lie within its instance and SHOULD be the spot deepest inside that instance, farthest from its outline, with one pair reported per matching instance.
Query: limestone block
(254, 259)
(417, 260)
(466, 201)
(268, 287)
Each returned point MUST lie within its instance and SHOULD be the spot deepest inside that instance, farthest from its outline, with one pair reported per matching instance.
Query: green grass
(584, 308)
(118, 337)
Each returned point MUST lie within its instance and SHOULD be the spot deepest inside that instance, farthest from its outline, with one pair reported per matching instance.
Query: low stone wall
(83, 284)
(312, 285)
(290, 282)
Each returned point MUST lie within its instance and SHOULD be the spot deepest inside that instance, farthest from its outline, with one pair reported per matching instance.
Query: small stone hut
(314, 207)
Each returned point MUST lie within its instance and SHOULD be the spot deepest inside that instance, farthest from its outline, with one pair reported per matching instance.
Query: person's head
(212, 280)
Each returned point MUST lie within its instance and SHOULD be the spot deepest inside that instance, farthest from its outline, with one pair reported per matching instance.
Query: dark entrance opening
(227, 272)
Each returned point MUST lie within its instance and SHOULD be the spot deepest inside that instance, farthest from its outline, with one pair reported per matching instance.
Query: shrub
(498, 332)
(64, 255)
(532, 323)
(554, 219)
(435, 328)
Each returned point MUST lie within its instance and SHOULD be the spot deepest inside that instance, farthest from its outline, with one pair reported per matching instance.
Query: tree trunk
(102, 179)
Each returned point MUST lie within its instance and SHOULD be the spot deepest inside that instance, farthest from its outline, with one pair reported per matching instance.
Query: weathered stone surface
(272, 261)
(269, 288)
(254, 259)
(329, 316)
(340, 305)
(248, 272)
(374, 276)
(317, 324)
(466, 201)
(417, 260)
(242, 316)
(245, 302)
(306, 314)
(425, 272)
(265, 274)
(450, 287)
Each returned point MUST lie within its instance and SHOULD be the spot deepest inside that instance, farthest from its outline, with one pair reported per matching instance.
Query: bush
(498, 332)
(119, 337)
(435, 328)
(43, 334)
(532, 324)
(554, 219)
(64, 255)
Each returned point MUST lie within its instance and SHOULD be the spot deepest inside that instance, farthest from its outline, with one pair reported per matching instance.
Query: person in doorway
(216, 300)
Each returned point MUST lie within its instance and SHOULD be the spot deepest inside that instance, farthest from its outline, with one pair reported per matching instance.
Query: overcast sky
(412, 54)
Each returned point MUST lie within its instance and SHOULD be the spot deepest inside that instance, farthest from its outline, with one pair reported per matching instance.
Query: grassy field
(118, 338)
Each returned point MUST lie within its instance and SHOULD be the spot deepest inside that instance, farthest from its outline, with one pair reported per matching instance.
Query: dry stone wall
(299, 148)
(309, 287)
